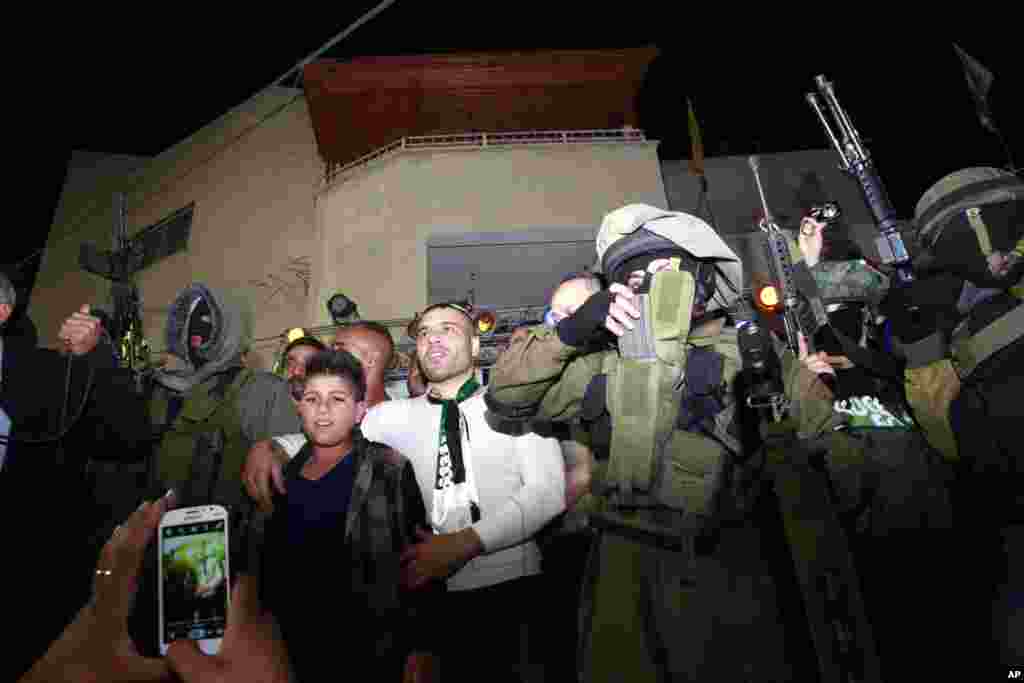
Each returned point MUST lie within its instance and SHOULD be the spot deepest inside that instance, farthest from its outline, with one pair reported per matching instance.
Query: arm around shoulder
(266, 408)
(422, 606)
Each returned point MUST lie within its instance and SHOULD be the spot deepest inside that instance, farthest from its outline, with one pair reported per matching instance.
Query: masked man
(969, 225)
(207, 409)
(665, 393)
(889, 486)
(213, 408)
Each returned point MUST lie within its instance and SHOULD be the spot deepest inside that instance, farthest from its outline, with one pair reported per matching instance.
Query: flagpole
(707, 201)
(697, 162)
(1012, 167)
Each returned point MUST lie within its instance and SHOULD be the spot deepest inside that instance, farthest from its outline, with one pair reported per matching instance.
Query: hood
(687, 231)
(230, 337)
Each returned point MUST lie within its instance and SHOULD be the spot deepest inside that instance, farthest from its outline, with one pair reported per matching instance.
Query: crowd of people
(551, 525)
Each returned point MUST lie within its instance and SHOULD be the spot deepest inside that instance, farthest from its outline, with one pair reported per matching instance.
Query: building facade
(341, 186)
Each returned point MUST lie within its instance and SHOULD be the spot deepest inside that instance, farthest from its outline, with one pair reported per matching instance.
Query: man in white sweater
(486, 493)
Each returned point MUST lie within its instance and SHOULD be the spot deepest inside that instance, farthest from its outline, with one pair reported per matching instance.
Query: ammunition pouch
(652, 462)
(930, 389)
(932, 383)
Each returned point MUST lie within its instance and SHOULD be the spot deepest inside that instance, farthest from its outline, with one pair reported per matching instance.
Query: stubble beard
(447, 371)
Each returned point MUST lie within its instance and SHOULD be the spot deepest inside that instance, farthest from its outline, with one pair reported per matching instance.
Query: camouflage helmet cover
(688, 232)
(850, 281)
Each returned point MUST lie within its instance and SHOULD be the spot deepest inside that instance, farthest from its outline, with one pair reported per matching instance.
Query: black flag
(979, 80)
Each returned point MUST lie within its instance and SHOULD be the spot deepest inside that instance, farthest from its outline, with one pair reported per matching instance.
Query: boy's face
(329, 410)
(296, 360)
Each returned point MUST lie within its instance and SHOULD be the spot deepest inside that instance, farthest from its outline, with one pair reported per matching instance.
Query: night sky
(130, 84)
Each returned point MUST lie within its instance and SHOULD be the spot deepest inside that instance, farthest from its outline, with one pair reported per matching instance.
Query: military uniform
(961, 221)
(668, 400)
(871, 448)
(207, 413)
(856, 480)
(968, 221)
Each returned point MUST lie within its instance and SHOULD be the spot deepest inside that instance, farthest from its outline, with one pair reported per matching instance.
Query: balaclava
(200, 329)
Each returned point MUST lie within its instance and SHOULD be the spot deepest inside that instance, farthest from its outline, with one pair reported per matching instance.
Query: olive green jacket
(243, 405)
(896, 468)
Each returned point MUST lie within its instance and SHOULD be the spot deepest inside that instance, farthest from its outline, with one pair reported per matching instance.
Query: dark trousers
(490, 633)
(565, 559)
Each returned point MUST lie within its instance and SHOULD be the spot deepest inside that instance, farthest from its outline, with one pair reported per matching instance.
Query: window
(164, 238)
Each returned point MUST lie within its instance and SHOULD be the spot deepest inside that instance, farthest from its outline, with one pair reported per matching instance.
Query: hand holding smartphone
(193, 594)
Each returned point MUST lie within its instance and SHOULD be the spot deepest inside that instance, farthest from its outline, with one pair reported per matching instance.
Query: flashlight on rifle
(761, 364)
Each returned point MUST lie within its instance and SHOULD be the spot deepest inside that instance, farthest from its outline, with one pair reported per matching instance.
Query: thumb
(277, 473)
(188, 662)
(802, 345)
(84, 309)
(245, 599)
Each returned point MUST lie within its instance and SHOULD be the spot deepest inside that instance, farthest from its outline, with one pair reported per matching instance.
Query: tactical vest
(932, 383)
(204, 445)
(655, 460)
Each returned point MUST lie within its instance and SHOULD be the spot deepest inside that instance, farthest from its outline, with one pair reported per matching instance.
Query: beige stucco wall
(375, 223)
(253, 175)
(85, 213)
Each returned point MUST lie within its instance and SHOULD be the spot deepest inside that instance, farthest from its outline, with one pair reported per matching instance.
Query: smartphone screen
(194, 587)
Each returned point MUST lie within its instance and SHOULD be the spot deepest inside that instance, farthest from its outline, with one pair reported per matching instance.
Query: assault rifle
(803, 311)
(856, 161)
(839, 628)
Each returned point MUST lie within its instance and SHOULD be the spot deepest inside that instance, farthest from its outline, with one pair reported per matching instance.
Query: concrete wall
(255, 179)
(734, 199)
(253, 175)
(375, 224)
(85, 212)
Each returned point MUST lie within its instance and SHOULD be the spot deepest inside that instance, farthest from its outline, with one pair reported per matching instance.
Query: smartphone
(193, 592)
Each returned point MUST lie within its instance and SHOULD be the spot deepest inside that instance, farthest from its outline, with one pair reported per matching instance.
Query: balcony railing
(482, 140)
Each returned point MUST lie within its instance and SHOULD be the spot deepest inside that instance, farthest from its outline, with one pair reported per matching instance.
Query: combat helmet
(964, 217)
(638, 229)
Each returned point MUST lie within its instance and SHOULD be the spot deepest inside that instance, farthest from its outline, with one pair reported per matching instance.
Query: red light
(486, 322)
(768, 297)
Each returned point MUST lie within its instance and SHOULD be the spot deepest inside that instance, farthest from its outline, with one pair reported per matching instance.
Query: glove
(588, 320)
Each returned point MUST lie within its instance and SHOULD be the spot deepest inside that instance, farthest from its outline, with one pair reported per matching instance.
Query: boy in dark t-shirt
(331, 564)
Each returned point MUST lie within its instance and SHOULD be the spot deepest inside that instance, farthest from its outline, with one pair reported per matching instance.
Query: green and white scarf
(456, 500)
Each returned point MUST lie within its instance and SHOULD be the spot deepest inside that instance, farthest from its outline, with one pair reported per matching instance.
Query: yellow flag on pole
(696, 145)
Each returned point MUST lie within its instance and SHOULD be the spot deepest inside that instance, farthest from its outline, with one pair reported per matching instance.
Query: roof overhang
(363, 104)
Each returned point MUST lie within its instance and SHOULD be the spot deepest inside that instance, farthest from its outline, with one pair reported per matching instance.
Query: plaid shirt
(384, 511)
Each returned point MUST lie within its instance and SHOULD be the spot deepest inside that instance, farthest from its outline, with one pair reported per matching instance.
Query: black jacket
(44, 492)
(88, 399)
